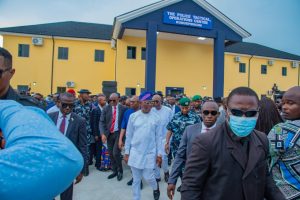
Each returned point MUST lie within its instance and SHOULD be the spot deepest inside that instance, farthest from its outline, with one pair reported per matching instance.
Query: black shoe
(130, 182)
(179, 189)
(141, 185)
(156, 194)
(86, 171)
(120, 176)
(158, 180)
(169, 162)
(167, 175)
(113, 175)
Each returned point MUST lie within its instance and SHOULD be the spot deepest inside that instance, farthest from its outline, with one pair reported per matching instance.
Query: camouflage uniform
(85, 111)
(177, 126)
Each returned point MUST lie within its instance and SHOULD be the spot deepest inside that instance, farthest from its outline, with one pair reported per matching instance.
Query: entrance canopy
(194, 21)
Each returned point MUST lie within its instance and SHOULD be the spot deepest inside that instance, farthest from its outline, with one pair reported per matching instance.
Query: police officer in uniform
(6, 73)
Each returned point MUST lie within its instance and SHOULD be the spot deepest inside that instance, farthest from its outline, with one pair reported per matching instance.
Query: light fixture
(34, 83)
(138, 85)
(201, 38)
(157, 33)
(204, 87)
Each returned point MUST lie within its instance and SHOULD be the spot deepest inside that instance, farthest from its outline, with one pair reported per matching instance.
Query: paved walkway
(96, 186)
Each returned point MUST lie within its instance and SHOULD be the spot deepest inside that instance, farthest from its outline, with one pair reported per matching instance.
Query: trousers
(138, 174)
(164, 166)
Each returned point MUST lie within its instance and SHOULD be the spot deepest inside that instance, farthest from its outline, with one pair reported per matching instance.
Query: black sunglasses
(3, 70)
(240, 113)
(65, 105)
(213, 113)
(113, 100)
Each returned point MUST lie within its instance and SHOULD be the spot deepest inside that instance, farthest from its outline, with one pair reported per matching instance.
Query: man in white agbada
(165, 114)
(143, 146)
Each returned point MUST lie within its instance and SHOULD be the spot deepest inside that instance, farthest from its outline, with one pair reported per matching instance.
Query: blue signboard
(183, 19)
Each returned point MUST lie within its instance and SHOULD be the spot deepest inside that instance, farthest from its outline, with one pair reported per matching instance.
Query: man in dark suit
(95, 120)
(210, 114)
(73, 127)
(230, 161)
(110, 126)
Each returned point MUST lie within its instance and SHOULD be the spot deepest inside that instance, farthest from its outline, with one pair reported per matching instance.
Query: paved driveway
(96, 186)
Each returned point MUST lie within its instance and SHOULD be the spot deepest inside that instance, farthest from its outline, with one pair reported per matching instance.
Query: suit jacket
(95, 120)
(76, 132)
(214, 169)
(106, 118)
(184, 150)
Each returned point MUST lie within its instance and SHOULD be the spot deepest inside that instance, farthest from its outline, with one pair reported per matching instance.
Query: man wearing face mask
(230, 162)
(285, 145)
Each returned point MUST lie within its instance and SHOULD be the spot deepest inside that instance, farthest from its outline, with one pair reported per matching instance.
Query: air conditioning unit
(113, 43)
(70, 84)
(270, 62)
(237, 59)
(37, 41)
(295, 64)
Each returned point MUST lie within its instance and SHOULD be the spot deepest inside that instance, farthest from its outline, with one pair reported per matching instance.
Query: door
(173, 91)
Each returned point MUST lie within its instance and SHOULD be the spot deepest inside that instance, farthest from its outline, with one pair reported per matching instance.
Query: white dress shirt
(205, 129)
(116, 128)
(53, 109)
(59, 121)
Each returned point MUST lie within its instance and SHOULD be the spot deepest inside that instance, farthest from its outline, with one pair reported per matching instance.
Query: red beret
(71, 91)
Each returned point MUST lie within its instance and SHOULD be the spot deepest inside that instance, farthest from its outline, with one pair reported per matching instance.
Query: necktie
(63, 125)
(113, 120)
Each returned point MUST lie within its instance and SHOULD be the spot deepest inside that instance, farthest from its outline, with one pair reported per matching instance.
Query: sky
(273, 23)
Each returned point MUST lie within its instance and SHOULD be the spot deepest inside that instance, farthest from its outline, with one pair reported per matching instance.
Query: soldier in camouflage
(177, 125)
(83, 108)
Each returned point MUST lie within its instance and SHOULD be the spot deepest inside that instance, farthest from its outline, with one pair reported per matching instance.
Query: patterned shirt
(285, 157)
(85, 112)
(177, 126)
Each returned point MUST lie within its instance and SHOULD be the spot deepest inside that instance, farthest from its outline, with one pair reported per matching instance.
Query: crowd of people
(239, 147)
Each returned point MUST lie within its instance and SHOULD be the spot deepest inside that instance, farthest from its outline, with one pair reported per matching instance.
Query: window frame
(143, 53)
(264, 69)
(61, 54)
(284, 71)
(100, 57)
(22, 51)
(242, 66)
(133, 53)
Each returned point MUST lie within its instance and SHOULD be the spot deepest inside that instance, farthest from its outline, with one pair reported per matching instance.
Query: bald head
(157, 101)
(134, 98)
(156, 97)
(134, 103)
(114, 95)
(293, 92)
(291, 104)
(210, 113)
(114, 99)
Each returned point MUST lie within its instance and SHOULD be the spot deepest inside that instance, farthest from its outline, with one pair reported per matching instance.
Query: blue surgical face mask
(242, 126)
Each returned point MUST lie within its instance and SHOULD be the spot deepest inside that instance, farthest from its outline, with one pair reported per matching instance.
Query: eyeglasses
(65, 105)
(112, 100)
(207, 112)
(2, 71)
(148, 102)
(240, 113)
(155, 101)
